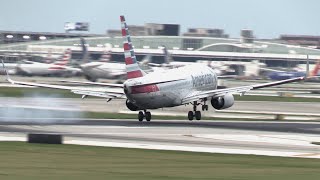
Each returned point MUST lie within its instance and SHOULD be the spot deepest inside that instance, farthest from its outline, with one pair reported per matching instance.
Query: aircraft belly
(97, 72)
(156, 100)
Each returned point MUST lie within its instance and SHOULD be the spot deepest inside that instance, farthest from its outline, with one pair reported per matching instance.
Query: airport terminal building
(193, 46)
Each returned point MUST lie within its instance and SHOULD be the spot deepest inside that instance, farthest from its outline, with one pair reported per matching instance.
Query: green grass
(40, 161)
(44, 92)
(275, 98)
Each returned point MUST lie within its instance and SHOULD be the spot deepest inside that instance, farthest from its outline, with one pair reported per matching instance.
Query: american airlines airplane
(192, 84)
(58, 67)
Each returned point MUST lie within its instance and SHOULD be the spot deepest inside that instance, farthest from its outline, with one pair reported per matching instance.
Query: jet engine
(222, 102)
(131, 106)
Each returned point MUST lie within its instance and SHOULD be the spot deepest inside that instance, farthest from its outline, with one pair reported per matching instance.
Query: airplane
(59, 67)
(194, 84)
(220, 68)
(104, 68)
(281, 75)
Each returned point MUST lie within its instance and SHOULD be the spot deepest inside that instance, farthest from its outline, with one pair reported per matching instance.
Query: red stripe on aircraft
(144, 89)
(126, 47)
(129, 60)
(134, 74)
(124, 33)
(56, 68)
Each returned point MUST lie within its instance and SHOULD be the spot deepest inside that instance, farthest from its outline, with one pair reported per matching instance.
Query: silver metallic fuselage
(172, 86)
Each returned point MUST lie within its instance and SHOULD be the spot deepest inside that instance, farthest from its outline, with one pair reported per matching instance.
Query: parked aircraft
(194, 84)
(103, 68)
(59, 67)
(281, 75)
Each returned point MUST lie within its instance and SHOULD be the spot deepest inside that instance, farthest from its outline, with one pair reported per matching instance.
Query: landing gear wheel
(205, 107)
(148, 116)
(190, 115)
(198, 115)
(140, 116)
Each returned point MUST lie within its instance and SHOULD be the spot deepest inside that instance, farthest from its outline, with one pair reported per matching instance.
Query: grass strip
(20, 160)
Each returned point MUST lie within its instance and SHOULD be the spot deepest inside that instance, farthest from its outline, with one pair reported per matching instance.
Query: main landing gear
(144, 114)
(197, 114)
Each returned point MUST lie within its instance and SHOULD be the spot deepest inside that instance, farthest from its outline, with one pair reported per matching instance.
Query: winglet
(7, 74)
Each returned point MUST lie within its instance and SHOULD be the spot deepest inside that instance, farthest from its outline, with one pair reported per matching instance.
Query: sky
(267, 18)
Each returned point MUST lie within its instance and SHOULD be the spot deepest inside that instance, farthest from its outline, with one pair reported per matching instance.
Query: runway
(118, 106)
(291, 139)
(272, 138)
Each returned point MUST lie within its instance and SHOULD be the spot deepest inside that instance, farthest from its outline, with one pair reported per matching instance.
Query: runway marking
(274, 139)
(309, 155)
(84, 141)
(188, 148)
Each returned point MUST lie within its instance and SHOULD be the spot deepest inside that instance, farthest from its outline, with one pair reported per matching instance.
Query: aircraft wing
(105, 93)
(198, 95)
(94, 83)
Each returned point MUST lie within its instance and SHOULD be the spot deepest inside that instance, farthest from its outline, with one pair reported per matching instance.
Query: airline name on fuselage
(202, 80)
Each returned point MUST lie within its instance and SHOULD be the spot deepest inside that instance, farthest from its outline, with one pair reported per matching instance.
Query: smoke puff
(50, 110)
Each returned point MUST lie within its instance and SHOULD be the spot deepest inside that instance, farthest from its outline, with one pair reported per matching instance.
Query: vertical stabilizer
(132, 67)
(167, 55)
(65, 58)
(85, 53)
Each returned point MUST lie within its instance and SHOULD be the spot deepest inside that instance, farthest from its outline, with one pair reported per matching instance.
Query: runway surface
(291, 139)
(100, 105)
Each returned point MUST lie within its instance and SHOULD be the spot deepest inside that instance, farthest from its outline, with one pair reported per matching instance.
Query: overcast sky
(268, 18)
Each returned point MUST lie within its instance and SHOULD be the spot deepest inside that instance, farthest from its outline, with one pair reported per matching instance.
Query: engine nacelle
(131, 106)
(222, 102)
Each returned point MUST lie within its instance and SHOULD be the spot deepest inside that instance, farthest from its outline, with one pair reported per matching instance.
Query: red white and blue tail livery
(132, 66)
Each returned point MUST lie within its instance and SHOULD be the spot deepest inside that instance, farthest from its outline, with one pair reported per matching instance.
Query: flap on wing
(97, 94)
(93, 83)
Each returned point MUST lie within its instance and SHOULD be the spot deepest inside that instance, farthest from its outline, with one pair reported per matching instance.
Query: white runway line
(280, 139)
(272, 139)
(194, 149)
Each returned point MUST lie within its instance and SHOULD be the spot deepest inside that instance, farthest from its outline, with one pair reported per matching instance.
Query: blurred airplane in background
(225, 69)
(58, 68)
(104, 68)
(194, 84)
(298, 72)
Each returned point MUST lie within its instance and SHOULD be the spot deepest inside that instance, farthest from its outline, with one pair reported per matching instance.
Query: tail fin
(49, 58)
(132, 67)
(167, 56)
(106, 56)
(316, 69)
(65, 58)
(85, 53)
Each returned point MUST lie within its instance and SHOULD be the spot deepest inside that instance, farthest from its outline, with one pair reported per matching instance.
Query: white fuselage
(104, 69)
(172, 86)
(35, 68)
